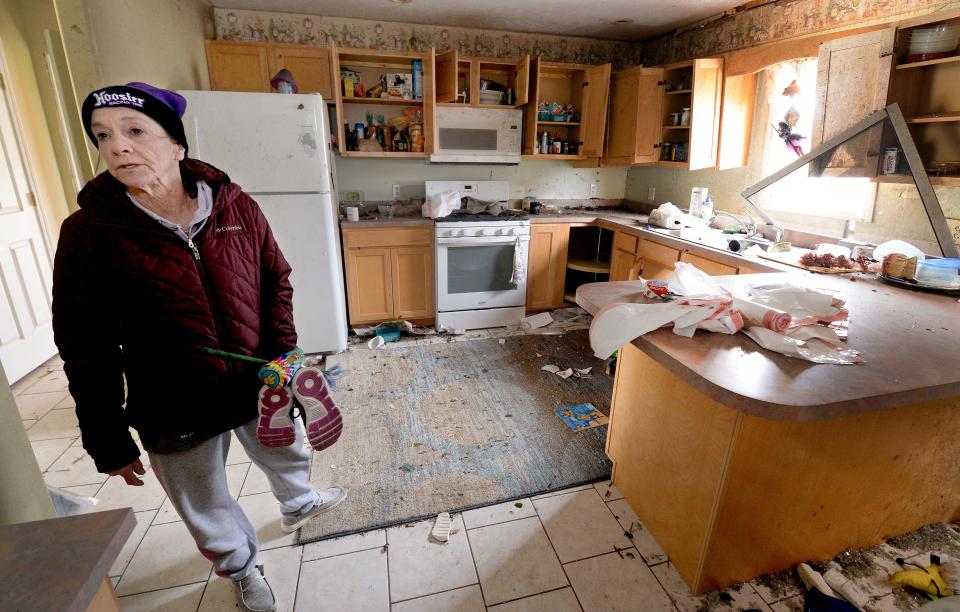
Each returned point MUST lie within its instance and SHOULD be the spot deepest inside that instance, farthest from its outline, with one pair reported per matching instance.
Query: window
(785, 105)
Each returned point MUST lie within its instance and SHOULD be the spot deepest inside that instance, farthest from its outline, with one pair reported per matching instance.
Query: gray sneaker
(254, 593)
(327, 500)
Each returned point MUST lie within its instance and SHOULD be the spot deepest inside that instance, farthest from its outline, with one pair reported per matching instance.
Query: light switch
(593, 190)
(651, 193)
(396, 191)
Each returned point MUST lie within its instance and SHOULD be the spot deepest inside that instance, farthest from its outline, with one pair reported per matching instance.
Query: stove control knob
(487, 232)
(513, 231)
(455, 233)
(502, 232)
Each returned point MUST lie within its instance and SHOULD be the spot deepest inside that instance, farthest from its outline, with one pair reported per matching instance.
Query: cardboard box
(400, 85)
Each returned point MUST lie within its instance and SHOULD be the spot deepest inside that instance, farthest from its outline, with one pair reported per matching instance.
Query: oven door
(476, 273)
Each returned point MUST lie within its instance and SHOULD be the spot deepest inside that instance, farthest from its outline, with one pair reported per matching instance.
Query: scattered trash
(441, 528)
(813, 580)
(583, 373)
(565, 374)
(454, 531)
(630, 555)
(68, 503)
(385, 547)
(550, 368)
(581, 416)
(457, 332)
(539, 355)
(406, 467)
(365, 331)
(518, 504)
(333, 467)
(927, 579)
(846, 588)
(376, 342)
(536, 321)
(502, 341)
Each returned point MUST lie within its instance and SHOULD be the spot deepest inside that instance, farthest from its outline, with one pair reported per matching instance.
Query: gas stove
(506, 215)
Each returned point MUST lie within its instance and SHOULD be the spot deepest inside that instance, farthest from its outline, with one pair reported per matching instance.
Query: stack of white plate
(942, 38)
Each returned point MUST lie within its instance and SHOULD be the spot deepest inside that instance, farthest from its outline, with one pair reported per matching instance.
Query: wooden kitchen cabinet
(390, 274)
(853, 74)
(459, 79)
(547, 265)
(711, 267)
(586, 88)
(249, 66)
(657, 260)
(371, 64)
(635, 98)
(623, 256)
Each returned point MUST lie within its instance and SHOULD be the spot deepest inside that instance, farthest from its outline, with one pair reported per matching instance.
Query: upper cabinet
(584, 87)
(633, 138)
(249, 66)
(483, 82)
(852, 78)
(402, 114)
(668, 116)
(927, 90)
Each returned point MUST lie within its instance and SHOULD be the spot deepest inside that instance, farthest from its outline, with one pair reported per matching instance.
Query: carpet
(436, 426)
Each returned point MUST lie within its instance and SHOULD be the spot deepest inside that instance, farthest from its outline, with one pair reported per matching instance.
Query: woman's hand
(130, 473)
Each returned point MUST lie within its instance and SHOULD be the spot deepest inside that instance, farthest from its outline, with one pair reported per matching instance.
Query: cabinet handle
(661, 82)
(656, 146)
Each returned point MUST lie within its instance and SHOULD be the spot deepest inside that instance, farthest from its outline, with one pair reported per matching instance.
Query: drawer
(387, 237)
(659, 253)
(711, 267)
(625, 242)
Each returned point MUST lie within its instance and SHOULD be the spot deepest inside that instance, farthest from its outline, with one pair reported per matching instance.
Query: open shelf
(394, 154)
(935, 117)
(933, 62)
(550, 156)
(676, 127)
(678, 91)
(908, 179)
(385, 101)
(588, 265)
(673, 164)
(561, 123)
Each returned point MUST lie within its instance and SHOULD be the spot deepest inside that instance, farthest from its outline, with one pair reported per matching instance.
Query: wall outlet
(651, 193)
(352, 196)
(593, 190)
(396, 191)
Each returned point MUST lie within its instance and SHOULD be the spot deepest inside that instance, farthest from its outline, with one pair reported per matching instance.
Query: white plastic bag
(441, 204)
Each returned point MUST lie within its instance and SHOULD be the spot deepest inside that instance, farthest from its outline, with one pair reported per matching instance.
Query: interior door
(594, 116)
(26, 332)
(707, 103)
(446, 67)
(852, 78)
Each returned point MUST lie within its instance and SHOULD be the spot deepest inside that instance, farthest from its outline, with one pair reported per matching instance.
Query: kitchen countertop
(908, 340)
(394, 222)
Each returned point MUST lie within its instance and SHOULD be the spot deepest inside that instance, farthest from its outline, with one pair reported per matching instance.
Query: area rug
(449, 426)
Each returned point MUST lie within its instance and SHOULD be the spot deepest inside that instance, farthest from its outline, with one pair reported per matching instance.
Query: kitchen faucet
(749, 230)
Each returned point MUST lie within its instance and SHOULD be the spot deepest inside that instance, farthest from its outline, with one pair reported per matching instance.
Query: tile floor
(560, 552)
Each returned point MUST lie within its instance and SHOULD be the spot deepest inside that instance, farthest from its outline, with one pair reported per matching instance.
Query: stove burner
(508, 214)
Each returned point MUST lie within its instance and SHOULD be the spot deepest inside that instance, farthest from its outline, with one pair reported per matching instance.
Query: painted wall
(306, 29)
(39, 148)
(117, 41)
(543, 179)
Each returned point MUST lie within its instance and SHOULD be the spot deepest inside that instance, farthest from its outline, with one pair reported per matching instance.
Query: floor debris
(518, 504)
(406, 467)
(581, 416)
(441, 528)
(536, 321)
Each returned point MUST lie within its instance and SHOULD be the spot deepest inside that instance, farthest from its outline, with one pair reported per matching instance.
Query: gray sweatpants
(196, 483)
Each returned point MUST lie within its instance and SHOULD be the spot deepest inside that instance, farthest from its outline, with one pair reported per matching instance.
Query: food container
(940, 272)
(890, 158)
(491, 97)
(685, 116)
(543, 116)
(560, 117)
(933, 42)
(386, 211)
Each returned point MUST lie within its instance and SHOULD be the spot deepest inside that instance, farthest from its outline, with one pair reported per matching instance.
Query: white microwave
(477, 135)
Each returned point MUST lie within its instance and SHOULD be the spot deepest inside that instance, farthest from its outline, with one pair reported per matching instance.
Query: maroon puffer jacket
(130, 298)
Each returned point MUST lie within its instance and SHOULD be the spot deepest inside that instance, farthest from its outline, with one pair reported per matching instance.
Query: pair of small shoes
(327, 500)
(321, 416)
(254, 593)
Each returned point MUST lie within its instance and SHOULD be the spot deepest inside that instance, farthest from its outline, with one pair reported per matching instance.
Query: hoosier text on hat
(101, 98)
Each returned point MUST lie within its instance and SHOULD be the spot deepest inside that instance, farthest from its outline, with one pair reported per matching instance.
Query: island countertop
(909, 340)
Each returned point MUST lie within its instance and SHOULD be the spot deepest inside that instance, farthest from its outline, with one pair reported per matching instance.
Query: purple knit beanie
(162, 105)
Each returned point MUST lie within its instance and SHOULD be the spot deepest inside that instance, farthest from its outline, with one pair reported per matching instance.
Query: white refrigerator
(277, 148)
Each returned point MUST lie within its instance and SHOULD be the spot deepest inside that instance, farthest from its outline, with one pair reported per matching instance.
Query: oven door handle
(482, 241)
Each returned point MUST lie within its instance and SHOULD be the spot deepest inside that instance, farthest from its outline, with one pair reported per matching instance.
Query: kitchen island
(742, 462)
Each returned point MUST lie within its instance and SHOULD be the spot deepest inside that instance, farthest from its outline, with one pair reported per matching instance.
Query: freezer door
(266, 143)
(306, 230)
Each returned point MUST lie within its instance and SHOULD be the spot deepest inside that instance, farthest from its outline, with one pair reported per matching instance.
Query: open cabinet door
(852, 78)
(338, 95)
(530, 110)
(446, 69)
(707, 103)
(523, 79)
(429, 101)
(593, 117)
(633, 131)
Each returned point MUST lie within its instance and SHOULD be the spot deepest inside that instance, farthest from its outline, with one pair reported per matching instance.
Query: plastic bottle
(545, 143)
(706, 208)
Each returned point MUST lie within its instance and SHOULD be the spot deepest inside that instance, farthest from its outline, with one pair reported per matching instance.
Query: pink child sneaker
(275, 426)
(321, 415)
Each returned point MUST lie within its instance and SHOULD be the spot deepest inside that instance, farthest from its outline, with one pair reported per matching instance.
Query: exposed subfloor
(558, 552)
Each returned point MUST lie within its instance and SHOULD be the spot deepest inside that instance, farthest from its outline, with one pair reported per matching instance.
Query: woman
(166, 256)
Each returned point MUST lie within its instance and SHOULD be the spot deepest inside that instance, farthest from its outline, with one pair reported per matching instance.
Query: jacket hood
(105, 191)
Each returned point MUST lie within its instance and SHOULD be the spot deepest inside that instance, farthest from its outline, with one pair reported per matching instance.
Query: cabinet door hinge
(585, 84)
(886, 53)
